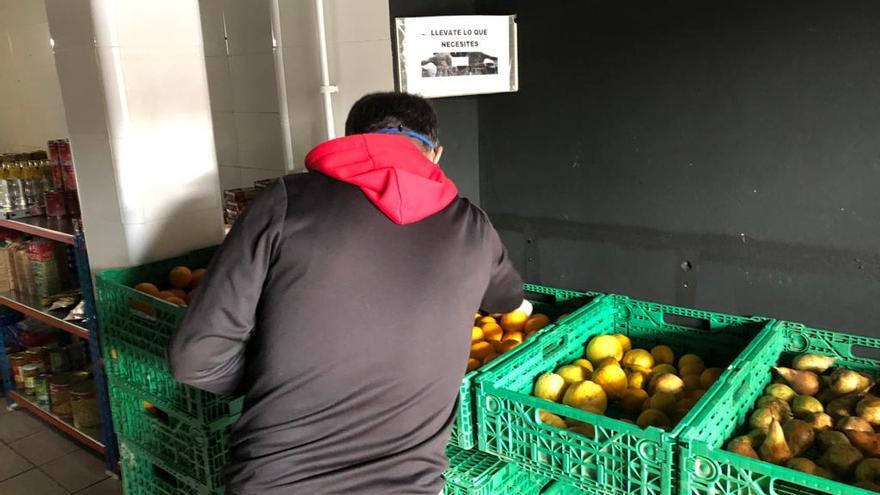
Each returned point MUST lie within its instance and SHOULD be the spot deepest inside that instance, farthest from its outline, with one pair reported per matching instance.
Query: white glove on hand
(526, 307)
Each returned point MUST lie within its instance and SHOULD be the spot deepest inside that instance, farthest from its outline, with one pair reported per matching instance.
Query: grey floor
(35, 459)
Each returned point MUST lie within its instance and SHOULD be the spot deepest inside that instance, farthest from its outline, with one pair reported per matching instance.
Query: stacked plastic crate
(172, 438)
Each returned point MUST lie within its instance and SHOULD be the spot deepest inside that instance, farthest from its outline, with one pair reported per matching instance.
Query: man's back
(360, 336)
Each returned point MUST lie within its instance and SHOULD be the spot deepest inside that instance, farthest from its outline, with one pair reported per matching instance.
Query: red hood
(390, 170)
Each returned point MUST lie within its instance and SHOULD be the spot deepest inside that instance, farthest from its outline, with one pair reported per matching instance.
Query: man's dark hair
(377, 111)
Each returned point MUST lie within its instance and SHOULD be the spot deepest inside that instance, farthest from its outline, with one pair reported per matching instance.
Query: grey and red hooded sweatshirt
(341, 305)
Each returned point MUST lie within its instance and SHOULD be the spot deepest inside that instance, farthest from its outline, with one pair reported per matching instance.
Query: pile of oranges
(183, 282)
(494, 335)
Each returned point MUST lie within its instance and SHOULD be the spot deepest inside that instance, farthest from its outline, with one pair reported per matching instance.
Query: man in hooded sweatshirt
(341, 305)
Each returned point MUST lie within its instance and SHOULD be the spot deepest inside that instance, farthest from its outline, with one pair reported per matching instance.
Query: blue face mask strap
(406, 132)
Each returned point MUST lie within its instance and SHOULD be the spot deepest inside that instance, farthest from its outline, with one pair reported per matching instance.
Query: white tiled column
(135, 91)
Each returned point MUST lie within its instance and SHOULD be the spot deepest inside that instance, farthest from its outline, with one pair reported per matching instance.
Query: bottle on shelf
(29, 184)
(5, 202)
(16, 184)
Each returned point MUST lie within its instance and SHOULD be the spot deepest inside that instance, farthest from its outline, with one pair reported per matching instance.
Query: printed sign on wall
(456, 55)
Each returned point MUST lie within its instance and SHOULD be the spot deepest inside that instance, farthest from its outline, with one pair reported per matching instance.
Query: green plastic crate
(621, 458)
(548, 300)
(190, 449)
(143, 474)
(472, 472)
(708, 469)
(136, 329)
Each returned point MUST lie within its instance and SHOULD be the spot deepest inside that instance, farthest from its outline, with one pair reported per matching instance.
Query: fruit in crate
(181, 285)
(828, 419)
(492, 337)
(639, 385)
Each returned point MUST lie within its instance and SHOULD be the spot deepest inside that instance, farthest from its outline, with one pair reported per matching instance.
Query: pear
(804, 405)
(812, 362)
(868, 470)
(743, 446)
(761, 418)
(841, 459)
(869, 408)
(775, 449)
(854, 423)
(842, 406)
(799, 436)
(802, 382)
(868, 485)
(757, 437)
(780, 391)
(844, 381)
(805, 465)
(820, 421)
(827, 438)
(868, 443)
(781, 409)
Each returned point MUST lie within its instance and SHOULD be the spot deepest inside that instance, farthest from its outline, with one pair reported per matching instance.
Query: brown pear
(842, 406)
(780, 391)
(805, 405)
(802, 382)
(827, 438)
(868, 443)
(844, 381)
(775, 449)
(757, 437)
(869, 408)
(798, 435)
(743, 446)
(841, 459)
(854, 423)
(820, 421)
(781, 409)
(803, 465)
(868, 470)
(812, 362)
(761, 418)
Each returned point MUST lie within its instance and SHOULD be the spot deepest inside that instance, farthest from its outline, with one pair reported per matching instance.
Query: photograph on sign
(456, 55)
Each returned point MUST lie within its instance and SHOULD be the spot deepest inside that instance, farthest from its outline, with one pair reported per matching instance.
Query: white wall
(359, 51)
(240, 63)
(31, 110)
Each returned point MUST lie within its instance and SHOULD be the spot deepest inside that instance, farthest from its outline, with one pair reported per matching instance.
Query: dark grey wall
(738, 138)
(459, 129)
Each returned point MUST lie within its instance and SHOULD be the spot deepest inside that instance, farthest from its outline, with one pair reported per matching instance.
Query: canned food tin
(30, 372)
(16, 361)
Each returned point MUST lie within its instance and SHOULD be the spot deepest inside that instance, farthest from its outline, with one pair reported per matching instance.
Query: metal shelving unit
(103, 439)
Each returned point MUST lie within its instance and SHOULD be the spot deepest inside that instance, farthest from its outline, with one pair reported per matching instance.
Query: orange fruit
(485, 320)
(197, 275)
(507, 345)
(536, 322)
(476, 334)
(562, 317)
(180, 293)
(176, 300)
(514, 321)
(492, 331)
(473, 364)
(518, 336)
(488, 359)
(180, 277)
(147, 288)
(165, 294)
(481, 349)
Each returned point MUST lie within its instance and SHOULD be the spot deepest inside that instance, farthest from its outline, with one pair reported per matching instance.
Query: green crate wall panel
(548, 300)
(189, 448)
(143, 474)
(472, 472)
(136, 329)
(708, 469)
(621, 458)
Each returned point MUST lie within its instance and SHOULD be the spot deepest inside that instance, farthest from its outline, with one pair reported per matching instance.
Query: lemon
(667, 382)
(710, 376)
(663, 354)
(638, 359)
(551, 419)
(602, 347)
(653, 417)
(583, 363)
(572, 373)
(550, 386)
(633, 399)
(625, 343)
(612, 379)
(663, 401)
(586, 395)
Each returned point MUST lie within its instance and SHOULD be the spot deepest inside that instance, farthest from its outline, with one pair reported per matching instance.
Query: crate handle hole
(155, 412)
(864, 352)
(686, 321)
(540, 298)
(164, 475)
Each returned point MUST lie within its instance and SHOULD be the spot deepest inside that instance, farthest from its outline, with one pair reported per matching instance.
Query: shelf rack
(103, 439)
